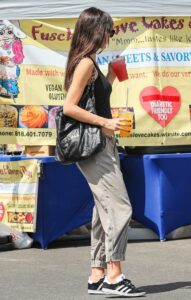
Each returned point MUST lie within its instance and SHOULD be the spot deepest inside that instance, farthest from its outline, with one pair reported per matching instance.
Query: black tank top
(102, 92)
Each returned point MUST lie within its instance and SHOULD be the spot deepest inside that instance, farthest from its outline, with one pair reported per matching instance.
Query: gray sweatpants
(112, 211)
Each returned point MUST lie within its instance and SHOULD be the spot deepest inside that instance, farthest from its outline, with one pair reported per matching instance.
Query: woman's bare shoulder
(84, 69)
(86, 62)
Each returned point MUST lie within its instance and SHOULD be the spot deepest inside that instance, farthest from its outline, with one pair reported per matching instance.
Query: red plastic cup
(119, 68)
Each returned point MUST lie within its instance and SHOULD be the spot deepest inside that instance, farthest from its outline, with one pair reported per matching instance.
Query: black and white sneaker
(122, 287)
(95, 288)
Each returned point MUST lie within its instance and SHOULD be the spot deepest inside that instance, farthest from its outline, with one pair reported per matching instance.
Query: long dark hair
(89, 35)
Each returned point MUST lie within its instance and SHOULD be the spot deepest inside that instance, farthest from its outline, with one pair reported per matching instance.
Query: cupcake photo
(33, 116)
(8, 116)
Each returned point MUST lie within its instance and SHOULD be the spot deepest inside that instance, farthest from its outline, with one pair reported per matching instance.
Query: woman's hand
(110, 75)
(107, 131)
(117, 124)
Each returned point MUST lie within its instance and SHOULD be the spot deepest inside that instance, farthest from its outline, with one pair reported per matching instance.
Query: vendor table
(159, 186)
(64, 199)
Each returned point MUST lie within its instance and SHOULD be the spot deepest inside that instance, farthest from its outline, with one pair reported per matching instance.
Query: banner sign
(33, 55)
(18, 194)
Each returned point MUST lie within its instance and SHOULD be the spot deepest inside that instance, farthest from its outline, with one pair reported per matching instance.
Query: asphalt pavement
(163, 269)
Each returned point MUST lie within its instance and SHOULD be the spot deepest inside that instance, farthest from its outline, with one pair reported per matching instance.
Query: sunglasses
(111, 33)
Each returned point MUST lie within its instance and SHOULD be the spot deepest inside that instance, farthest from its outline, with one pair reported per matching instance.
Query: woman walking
(112, 211)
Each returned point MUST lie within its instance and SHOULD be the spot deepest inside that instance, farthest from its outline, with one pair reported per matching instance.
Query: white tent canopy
(35, 9)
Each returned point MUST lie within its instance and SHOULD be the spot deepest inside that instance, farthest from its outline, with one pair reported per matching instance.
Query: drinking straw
(126, 104)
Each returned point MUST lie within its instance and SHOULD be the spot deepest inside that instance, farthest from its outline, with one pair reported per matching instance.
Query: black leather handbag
(77, 141)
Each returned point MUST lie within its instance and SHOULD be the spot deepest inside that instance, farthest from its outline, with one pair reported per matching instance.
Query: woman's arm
(80, 79)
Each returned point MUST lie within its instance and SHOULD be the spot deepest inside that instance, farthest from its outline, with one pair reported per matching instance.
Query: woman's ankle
(97, 274)
(113, 271)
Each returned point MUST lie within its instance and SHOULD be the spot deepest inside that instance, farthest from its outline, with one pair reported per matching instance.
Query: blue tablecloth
(159, 187)
(64, 199)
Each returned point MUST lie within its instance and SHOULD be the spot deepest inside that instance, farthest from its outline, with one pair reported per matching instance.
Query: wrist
(111, 77)
(103, 122)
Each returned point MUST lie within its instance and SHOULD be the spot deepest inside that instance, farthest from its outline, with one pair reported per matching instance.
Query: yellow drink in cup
(128, 124)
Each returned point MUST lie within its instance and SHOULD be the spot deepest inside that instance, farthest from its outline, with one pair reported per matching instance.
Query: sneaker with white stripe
(122, 287)
(95, 288)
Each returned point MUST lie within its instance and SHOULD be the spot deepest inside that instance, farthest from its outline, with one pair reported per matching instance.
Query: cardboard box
(39, 150)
